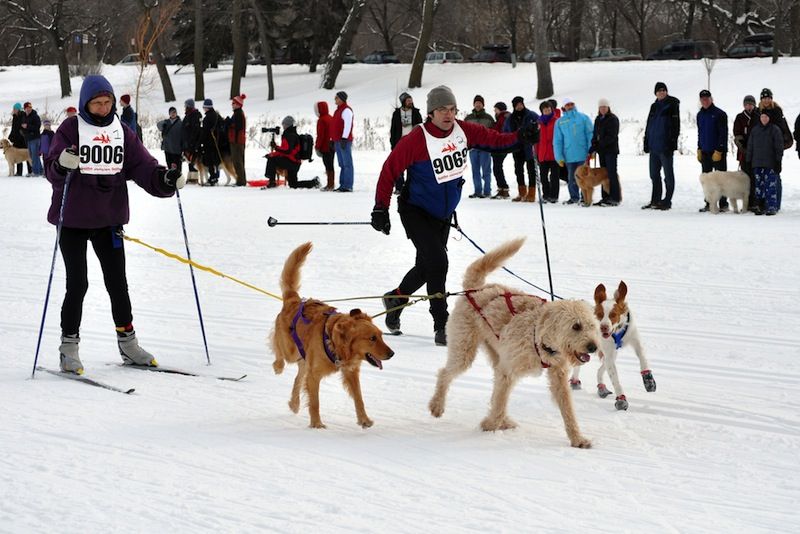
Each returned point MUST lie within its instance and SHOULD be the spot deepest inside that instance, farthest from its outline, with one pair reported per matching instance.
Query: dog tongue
(374, 361)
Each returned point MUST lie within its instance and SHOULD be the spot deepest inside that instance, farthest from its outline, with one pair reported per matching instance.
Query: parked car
(686, 49)
(348, 58)
(530, 57)
(493, 53)
(381, 56)
(444, 57)
(135, 59)
(749, 50)
(612, 54)
(764, 39)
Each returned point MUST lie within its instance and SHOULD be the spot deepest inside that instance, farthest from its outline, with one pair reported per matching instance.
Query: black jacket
(190, 139)
(34, 125)
(15, 135)
(210, 138)
(396, 129)
(765, 146)
(776, 117)
(605, 139)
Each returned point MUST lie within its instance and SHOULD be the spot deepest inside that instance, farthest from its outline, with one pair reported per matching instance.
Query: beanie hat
(568, 101)
(517, 100)
(287, 122)
(439, 97)
(18, 106)
(749, 99)
(172, 108)
(659, 86)
(46, 122)
(705, 93)
(189, 103)
(342, 96)
(27, 105)
(765, 93)
(125, 99)
(239, 100)
(478, 98)
(545, 104)
(501, 106)
(553, 103)
(403, 97)
(208, 103)
(71, 109)
(603, 102)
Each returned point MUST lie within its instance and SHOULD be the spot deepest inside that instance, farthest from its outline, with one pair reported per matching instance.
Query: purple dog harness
(326, 340)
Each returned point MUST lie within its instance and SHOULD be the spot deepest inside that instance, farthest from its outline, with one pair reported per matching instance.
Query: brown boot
(523, 192)
(501, 193)
(531, 196)
(329, 186)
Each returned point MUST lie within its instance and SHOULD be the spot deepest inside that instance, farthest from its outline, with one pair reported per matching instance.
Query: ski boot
(575, 383)
(68, 355)
(603, 391)
(391, 300)
(649, 381)
(621, 403)
(130, 350)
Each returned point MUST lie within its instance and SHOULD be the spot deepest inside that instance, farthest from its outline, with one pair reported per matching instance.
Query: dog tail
(476, 273)
(290, 277)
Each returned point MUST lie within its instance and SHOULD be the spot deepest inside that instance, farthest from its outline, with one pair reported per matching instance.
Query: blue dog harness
(619, 335)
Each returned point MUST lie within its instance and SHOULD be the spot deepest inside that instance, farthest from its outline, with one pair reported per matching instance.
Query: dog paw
(490, 425)
(366, 423)
(316, 424)
(278, 366)
(508, 424)
(581, 443)
(436, 408)
(294, 405)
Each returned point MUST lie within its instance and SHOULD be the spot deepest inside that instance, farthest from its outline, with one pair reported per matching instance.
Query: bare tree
(199, 63)
(342, 45)
(576, 8)
(154, 21)
(544, 78)
(638, 14)
(388, 20)
(239, 48)
(415, 77)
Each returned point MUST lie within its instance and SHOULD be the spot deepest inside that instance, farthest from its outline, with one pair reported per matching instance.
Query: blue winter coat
(663, 126)
(572, 138)
(712, 129)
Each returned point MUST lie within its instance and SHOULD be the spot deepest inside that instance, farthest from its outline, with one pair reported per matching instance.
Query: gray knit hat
(188, 103)
(749, 99)
(439, 97)
(287, 122)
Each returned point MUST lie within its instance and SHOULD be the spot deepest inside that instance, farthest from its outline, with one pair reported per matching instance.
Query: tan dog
(202, 171)
(734, 185)
(588, 178)
(331, 342)
(523, 335)
(14, 155)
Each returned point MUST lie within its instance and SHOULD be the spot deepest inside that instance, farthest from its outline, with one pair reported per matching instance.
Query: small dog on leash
(14, 155)
(734, 185)
(523, 335)
(588, 178)
(618, 330)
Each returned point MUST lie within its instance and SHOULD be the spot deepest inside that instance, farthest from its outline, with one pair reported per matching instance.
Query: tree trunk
(415, 78)
(614, 25)
(687, 31)
(63, 70)
(266, 51)
(544, 77)
(236, 37)
(199, 62)
(342, 45)
(163, 74)
(794, 23)
(576, 8)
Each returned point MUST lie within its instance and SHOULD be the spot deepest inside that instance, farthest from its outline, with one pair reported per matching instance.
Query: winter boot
(531, 196)
(523, 192)
(130, 350)
(68, 355)
(501, 193)
(440, 337)
(329, 186)
(391, 300)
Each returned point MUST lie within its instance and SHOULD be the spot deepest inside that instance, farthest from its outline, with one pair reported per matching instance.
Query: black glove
(380, 220)
(173, 178)
(529, 134)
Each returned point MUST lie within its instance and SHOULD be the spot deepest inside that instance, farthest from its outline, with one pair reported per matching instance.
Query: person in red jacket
(501, 113)
(323, 145)
(435, 158)
(548, 168)
(286, 157)
(237, 130)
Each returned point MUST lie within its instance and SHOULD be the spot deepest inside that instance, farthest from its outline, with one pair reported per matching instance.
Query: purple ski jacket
(95, 201)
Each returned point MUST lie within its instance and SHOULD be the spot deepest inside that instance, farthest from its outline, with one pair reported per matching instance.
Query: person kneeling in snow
(99, 155)
(286, 157)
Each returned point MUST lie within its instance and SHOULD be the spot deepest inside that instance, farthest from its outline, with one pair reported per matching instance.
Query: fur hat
(501, 106)
(478, 98)
(208, 103)
(188, 103)
(342, 96)
(239, 100)
(603, 102)
(125, 99)
(766, 93)
(749, 99)
(517, 100)
(287, 122)
(403, 97)
(439, 97)
(659, 86)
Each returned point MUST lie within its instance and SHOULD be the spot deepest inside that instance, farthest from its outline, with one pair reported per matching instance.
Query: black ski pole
(272, 221)
(544, 228)
(52, 267)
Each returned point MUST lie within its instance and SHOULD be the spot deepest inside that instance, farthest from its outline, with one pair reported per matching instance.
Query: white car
(443, 57)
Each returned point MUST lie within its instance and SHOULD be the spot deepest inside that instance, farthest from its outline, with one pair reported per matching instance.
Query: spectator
(776, 117)
(95, 210)
(286, 157)
(191, 135)
(548, 168)
(797, 134)
(557, 111)
(237, 137)
(743, 124)
(211, 141)
(323, 145)
(430, 197)
(765, 152)
(128, 116)
(30, 127)
(342, 136)
(172, 139)
(605, 142)
(404, 119)
(480, 160)
(47, 138)
(523, 118)
(712, 140)
(501, 113)
(572, 139)
(71, 111)
(660, 141)
(15, 136)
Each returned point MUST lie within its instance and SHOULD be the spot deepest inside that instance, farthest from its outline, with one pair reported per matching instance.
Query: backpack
(306, 151)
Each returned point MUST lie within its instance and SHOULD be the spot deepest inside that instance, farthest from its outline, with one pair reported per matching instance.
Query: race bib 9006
(448, 155)
(101, 148)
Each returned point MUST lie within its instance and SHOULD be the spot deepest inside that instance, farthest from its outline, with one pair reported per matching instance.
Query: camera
(276, 130)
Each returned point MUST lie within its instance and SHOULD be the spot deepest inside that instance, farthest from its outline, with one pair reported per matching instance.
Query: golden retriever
(734, 185)
(14, 155)
(523, 335)
(588, 178)
(332, 341)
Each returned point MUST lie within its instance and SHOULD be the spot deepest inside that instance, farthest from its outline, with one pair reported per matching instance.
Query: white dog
(617, 330)
(734, 185)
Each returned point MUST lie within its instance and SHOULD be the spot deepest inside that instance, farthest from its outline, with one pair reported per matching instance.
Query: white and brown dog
(618, 330)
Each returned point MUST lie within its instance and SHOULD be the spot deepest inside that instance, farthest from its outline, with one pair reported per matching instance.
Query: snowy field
(715, 449)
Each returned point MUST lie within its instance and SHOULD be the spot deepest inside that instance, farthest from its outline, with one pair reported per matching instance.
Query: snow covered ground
(716, 297)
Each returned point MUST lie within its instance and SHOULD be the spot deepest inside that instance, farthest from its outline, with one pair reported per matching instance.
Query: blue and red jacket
(411, 155)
